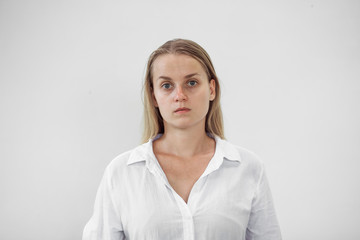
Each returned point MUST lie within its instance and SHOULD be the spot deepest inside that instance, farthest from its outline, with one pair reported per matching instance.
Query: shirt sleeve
(263, 223)
(105, 223)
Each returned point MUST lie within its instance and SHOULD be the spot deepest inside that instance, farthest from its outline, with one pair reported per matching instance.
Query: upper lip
(182, 109)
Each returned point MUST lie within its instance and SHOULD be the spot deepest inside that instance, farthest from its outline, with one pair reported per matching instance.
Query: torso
(182, 173)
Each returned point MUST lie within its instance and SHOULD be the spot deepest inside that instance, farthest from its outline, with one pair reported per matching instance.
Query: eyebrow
(169, 78)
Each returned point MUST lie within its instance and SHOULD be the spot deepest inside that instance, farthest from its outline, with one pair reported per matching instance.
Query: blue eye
(192, 83)
(166, 85)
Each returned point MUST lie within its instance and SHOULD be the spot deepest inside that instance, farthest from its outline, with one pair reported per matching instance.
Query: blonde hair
(153, 122)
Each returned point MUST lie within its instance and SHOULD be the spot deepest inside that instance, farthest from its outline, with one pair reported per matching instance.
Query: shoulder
(124, 160)
(246, 157)
(249, 156)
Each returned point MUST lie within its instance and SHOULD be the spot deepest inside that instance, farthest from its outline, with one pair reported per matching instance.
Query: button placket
(188, 221)
(187, 218)
(195, 194)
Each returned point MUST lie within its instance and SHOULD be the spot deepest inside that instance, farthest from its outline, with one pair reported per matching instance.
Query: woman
(186, 182)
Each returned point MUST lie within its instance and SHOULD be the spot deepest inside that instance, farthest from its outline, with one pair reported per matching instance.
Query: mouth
(182, 110)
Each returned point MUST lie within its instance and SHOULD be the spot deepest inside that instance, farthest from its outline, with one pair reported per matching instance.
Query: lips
(182, 110)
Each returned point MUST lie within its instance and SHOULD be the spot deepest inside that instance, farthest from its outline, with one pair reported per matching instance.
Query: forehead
(176, 64)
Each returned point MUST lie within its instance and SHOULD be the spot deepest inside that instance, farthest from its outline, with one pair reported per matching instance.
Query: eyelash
(188, 84)
(192, 81)
(163, 86)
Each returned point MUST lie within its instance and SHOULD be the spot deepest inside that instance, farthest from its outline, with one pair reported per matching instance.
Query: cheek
(161, 101)
(203, 97)
(157, 97)
(201, 102)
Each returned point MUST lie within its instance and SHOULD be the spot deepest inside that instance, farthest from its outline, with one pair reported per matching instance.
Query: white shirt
(231, 200)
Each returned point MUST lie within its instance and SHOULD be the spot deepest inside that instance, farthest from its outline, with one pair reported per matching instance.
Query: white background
(70, 101)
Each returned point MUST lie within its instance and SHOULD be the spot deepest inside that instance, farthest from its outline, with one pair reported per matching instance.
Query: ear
(154, 99)
(212, 89)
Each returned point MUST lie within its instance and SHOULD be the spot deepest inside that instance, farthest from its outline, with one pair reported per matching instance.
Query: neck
(186, 142)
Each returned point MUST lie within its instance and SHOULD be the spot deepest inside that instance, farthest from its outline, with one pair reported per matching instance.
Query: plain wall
(71, 74)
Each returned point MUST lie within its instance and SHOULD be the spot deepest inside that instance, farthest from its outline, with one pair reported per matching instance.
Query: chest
(220, 203)
(182, 173)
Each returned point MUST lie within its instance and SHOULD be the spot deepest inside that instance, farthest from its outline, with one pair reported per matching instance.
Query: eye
(192, 83)
(166, 85)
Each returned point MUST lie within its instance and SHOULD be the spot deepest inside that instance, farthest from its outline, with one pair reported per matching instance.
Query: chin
(184, 124)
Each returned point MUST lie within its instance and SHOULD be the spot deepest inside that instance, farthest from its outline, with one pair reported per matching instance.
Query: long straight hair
(153, 121)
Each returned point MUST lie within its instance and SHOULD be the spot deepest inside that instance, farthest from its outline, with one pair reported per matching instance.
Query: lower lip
(183, 111)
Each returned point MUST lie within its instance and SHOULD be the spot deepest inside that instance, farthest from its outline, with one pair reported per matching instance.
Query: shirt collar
(224, 150)
(140, 153)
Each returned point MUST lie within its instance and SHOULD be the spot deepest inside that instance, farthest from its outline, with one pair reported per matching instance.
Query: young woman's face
(182, 91)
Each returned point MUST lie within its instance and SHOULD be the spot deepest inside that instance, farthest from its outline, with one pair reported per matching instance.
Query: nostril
(180, 96)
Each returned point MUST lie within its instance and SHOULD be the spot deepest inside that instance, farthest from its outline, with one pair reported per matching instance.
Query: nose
(180, 95)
